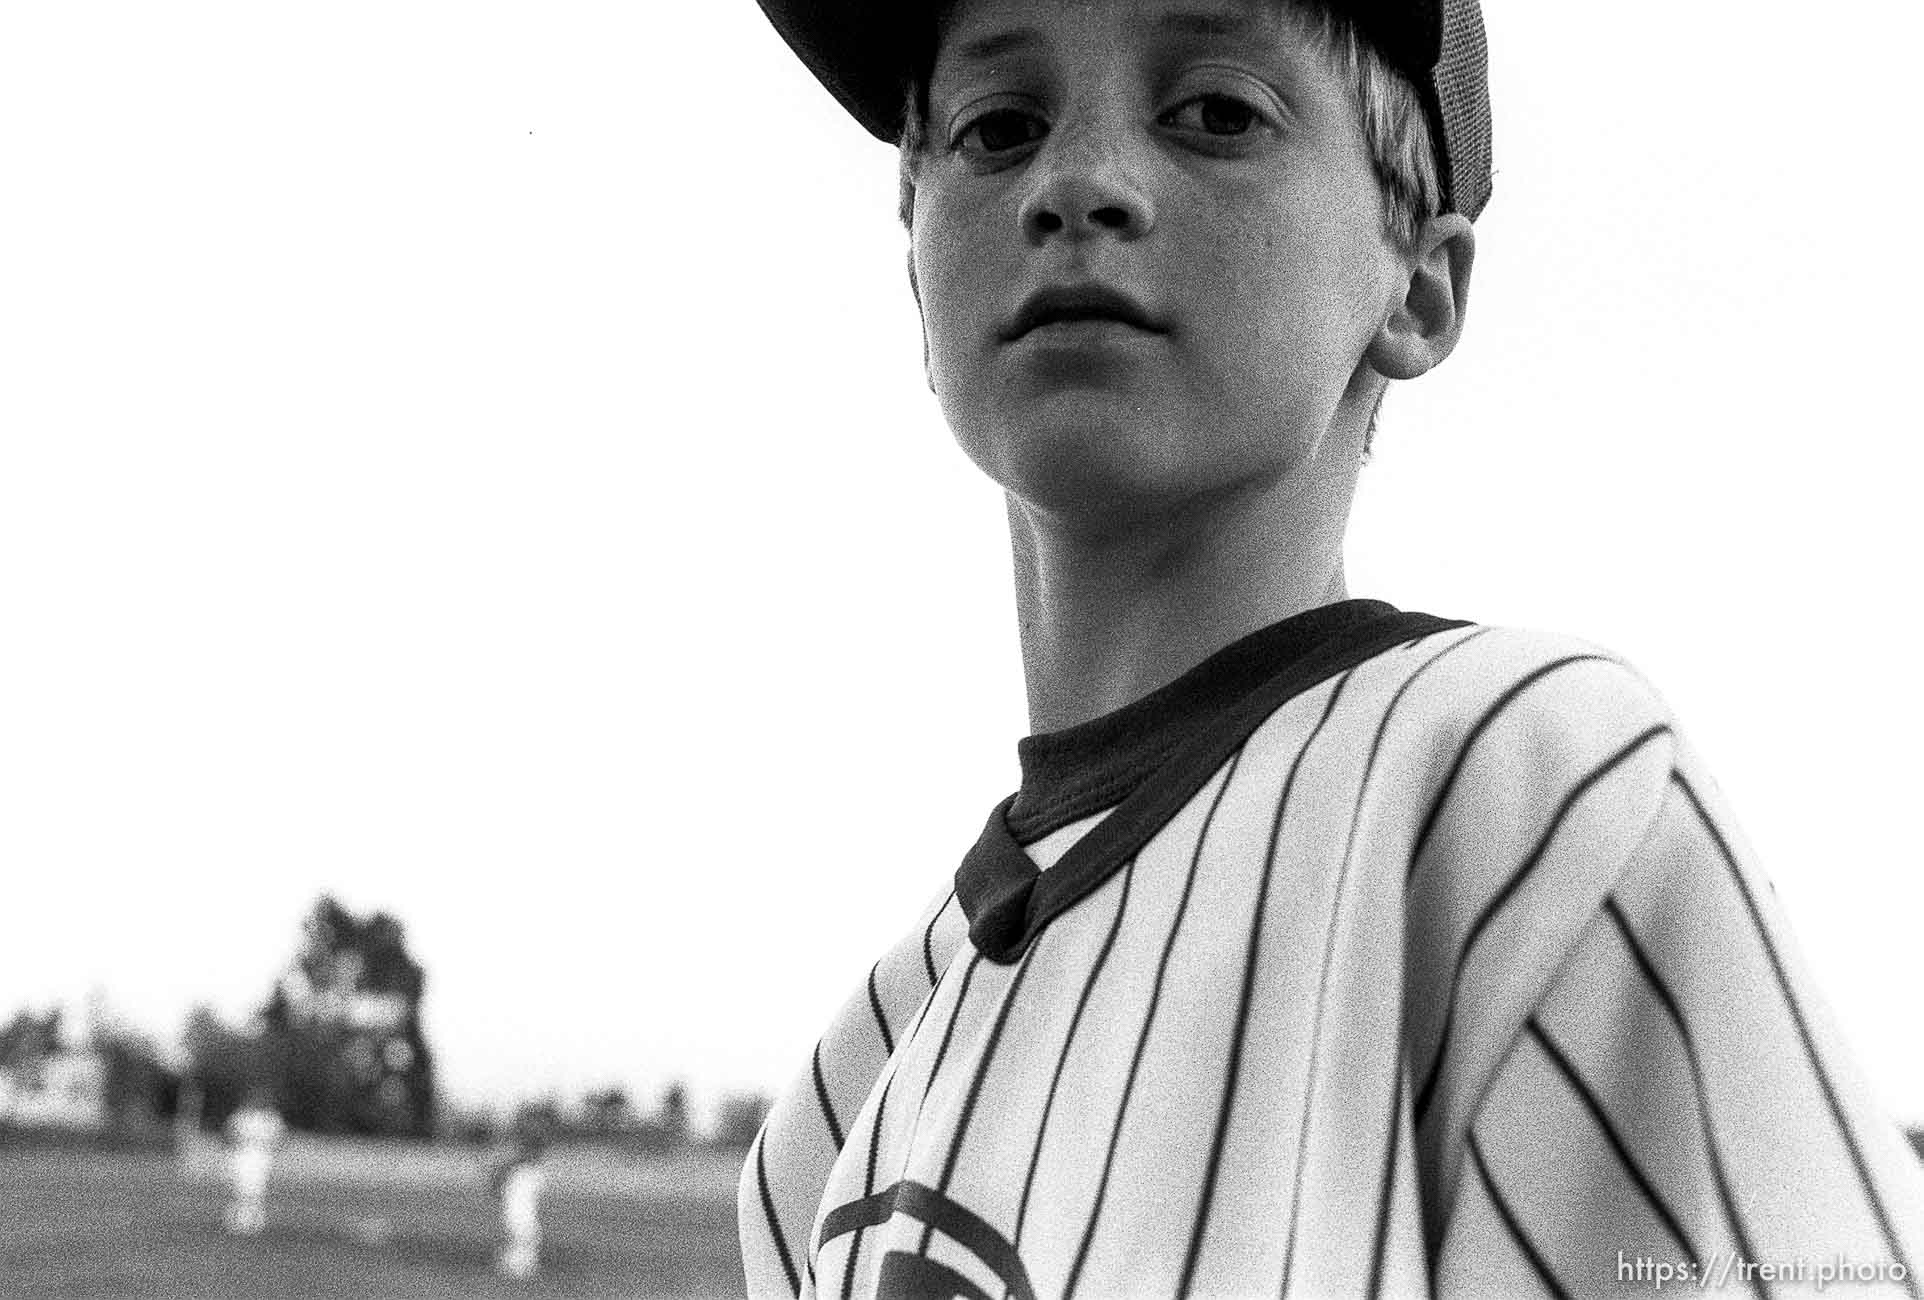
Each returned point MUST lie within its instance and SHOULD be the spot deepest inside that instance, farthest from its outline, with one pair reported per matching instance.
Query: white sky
(473, 458)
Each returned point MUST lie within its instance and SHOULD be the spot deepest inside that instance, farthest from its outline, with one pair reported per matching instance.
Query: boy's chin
(1102, 476)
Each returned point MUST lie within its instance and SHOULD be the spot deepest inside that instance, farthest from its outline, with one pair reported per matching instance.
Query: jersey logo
(911, 1276)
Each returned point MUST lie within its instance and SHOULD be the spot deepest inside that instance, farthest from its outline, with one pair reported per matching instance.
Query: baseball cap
(865, 51)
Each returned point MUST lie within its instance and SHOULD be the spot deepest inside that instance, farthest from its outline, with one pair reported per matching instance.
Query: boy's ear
(1423, 328)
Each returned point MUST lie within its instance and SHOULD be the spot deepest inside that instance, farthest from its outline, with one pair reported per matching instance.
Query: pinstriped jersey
(1436, 967)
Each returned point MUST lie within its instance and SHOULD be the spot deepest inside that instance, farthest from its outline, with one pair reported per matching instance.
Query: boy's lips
(1078, 302)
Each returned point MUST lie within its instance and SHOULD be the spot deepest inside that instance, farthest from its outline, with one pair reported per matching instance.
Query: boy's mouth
(1081, 302)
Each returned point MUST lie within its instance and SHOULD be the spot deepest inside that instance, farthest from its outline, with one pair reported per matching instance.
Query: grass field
(360, 1220)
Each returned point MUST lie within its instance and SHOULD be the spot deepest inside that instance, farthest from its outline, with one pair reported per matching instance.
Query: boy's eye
(1000, 130)
(1214, 114)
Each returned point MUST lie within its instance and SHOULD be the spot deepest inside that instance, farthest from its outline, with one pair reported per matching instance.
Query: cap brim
(863, 51)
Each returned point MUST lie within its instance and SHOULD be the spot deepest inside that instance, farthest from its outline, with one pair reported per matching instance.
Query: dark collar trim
(1008, 900)
(1072, 773)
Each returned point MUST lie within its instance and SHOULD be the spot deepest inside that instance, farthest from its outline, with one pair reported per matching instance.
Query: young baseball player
(1326, 948)
(253, 1131)
(517, 1180)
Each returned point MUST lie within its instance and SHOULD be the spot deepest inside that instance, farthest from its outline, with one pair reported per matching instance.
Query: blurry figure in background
(517, 1181)
(253, 1131)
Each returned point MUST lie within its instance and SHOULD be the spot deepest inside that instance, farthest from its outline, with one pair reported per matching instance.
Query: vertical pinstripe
(975, 1085)
(868, 1186)
(1621, 923)
(1386, 1196)
(828, 1107)
(774, 1224)
(1630, 1165)
(1142, 1039)
(1495, 711)
(1802, 1024)
(881, 1112)
(875, 1004)
(1518, 1237)
(1322, 982)
(1496, 904)
(1068, 1043)
(1246, 995)
(948, 1032)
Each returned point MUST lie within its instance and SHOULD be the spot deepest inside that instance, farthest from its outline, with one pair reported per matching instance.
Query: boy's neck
(1107, 619)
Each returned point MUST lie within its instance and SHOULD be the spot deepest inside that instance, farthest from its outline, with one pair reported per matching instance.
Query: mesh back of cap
(1463, 103)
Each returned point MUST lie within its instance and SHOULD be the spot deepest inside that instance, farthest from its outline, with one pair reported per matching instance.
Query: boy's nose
(1083, 185)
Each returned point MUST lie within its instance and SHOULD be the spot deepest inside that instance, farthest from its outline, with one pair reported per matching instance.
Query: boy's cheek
(958, 291)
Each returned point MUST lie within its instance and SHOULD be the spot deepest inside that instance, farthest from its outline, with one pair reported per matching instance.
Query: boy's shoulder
(1516, 720)
(1469, 679)
(1506, 661)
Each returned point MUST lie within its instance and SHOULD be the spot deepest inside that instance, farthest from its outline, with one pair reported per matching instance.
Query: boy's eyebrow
(983, 48)
(1195, 22)
(1212, 22)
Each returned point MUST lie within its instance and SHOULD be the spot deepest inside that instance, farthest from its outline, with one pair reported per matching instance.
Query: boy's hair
(1402, 142)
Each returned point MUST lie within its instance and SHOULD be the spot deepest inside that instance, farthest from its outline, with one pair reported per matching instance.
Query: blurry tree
(137, 1085)
(342, 1029)
(29, 1039)
(672, 1114)
(539, 1120)
(223, 1062)
(740, 1119)
(607, 1110)
(468, 1124)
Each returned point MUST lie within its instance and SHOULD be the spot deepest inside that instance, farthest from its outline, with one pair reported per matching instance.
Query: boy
(253, 1131)
(517, 1180)
(1326, 949)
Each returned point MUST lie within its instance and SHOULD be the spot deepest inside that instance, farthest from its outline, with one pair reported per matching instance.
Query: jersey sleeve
(1674, 1108)
(789, 1162)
